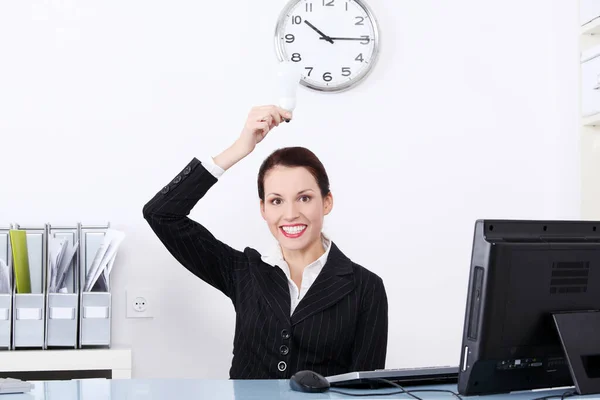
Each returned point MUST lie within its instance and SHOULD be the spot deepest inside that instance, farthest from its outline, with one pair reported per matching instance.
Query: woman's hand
(259, 123)
(261, 120)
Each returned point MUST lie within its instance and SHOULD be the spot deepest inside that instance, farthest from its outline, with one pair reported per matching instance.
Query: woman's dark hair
(294, 157)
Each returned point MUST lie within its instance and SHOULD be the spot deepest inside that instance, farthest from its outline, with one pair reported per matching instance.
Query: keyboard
(403, 376)
(11, 385)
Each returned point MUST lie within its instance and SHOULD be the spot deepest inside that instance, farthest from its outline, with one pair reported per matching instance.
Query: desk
(183, 389)
(66, 364)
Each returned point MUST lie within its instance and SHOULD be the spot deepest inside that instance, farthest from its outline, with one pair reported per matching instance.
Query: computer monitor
(525, 276)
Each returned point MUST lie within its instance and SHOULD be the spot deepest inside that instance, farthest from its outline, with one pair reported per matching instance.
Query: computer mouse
(309, 381)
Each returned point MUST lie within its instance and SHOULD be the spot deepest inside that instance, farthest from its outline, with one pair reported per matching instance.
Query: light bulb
(288, 78)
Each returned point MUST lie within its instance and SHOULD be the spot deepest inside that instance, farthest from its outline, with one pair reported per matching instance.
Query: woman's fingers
(275, 115)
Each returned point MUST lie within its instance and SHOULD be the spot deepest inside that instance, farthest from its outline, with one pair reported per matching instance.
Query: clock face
(334, 41)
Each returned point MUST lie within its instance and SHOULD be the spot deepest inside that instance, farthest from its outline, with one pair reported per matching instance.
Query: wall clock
(335, 42)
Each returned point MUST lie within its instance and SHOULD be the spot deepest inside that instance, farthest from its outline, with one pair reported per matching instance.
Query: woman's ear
(327, 203)
(262, 209)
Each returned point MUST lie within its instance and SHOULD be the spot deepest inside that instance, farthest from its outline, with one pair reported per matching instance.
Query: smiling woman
(306, 306)
(296, 202)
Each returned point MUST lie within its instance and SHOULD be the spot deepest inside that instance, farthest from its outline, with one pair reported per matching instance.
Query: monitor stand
(580, 338)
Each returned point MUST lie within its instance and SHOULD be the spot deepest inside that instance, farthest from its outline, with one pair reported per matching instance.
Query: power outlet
(139, 303)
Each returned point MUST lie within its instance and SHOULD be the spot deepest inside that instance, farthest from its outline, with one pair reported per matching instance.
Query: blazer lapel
(334, 282)
(273, 284)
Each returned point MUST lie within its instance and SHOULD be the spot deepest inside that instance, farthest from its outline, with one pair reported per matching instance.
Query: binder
(6, 298)
(95, 306)
(29, 308)
(62, 309)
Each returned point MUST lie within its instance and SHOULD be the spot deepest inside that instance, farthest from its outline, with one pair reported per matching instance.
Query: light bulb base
(287, 103)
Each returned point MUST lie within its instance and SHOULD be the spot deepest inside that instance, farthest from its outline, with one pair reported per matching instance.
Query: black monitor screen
(522, 272)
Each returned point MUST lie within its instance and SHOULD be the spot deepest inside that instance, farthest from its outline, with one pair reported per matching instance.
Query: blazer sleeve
(370, 345)
(188, 241)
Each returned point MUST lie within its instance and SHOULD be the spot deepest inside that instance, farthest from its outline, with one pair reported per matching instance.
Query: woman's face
(294, 207)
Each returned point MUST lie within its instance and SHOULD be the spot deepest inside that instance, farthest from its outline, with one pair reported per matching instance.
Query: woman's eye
(276, 202)
(304, 199)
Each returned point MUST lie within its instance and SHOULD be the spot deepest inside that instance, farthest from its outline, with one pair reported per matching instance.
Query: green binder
(18, 242)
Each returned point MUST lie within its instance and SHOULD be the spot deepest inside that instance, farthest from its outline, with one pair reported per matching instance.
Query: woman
(306, 307)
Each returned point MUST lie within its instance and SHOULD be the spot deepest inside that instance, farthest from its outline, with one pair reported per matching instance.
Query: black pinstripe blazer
(341, 324)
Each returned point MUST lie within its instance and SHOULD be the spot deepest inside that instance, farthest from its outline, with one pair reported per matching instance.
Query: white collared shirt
(275, 257)
(311, 271)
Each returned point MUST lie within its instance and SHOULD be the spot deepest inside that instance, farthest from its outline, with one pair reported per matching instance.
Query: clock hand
(344, 38)
(323, 36)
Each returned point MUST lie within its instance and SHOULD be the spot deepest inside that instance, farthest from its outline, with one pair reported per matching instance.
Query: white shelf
(591, 28)
(116, 360)
(589, 130)
(591, 121)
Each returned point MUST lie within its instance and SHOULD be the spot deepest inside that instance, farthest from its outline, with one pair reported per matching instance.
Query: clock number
(359, 58)
(308, 7)
(327, 77)
(309, 70)
(361, 21)
(366, 39)
(296, 57)
(296, 20)
(346, 71)
(289, 38)
(328, 3)
(346, 6)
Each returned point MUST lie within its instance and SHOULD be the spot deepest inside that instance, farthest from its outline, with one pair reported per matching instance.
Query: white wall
(470, 113)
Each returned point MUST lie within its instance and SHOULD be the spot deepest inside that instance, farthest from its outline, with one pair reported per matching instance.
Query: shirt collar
(275, 256)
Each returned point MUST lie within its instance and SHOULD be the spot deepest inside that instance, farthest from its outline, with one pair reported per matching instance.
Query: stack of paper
(5, 278)
(98, 277)
(62, 253)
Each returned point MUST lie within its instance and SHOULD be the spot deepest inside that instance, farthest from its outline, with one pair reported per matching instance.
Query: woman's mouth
(292, 231)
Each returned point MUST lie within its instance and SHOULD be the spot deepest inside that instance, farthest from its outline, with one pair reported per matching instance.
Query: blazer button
(187, 170)
(285, 334)
(177, 179)
(165, 190)
(284, 350)
(282, 366)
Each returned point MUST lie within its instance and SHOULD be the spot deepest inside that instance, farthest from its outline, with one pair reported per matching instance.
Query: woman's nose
(291, 212)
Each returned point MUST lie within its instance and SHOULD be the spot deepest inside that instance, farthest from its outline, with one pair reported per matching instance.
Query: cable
(437, 390)
(402, 391)
(558, 396)
(410, 392)
(568, 394)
